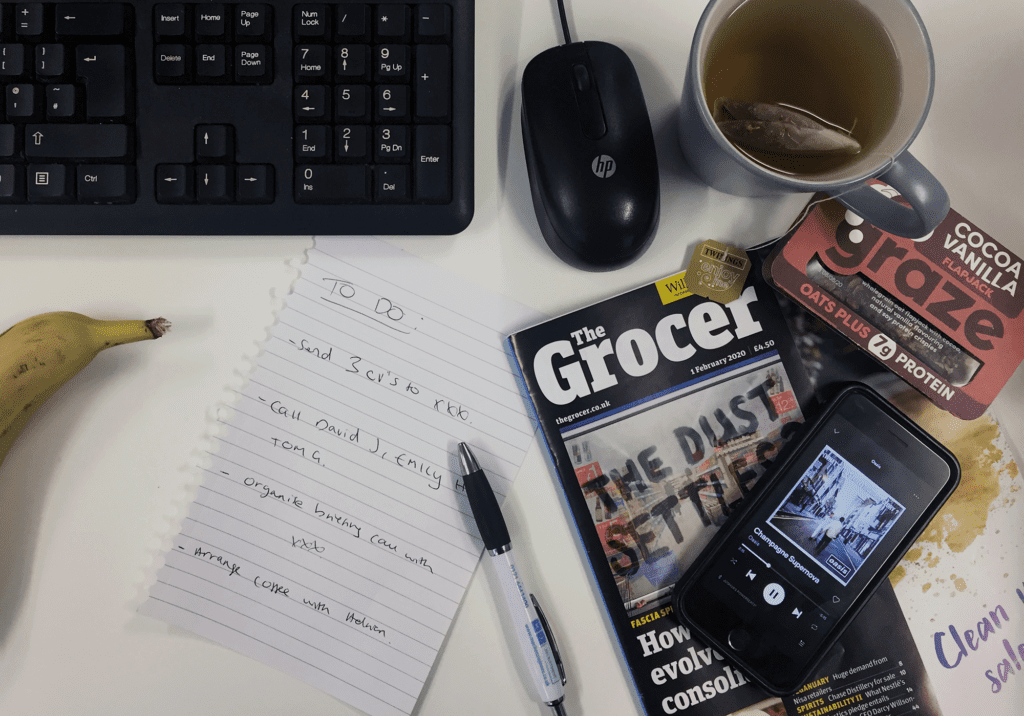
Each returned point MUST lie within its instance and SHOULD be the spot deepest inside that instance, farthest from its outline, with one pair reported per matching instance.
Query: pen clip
(551, 637)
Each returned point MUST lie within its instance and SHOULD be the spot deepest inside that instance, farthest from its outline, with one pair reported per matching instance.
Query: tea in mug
(802, 86)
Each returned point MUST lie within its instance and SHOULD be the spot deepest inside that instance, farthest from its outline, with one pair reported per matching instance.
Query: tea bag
(773, 128)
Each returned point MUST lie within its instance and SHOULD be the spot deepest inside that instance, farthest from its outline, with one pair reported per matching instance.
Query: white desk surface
(94, 481)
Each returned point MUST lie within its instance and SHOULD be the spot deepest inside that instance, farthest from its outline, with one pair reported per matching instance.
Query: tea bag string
(811, 205)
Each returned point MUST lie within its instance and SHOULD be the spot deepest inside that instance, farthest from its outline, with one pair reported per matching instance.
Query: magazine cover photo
(661, 476)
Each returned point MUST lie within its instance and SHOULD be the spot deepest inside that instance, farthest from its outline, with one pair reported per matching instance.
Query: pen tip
(467, 460)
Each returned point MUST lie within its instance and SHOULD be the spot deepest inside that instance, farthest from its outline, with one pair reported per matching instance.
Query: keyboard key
(351, 142)
(432, 161)
(351, 103)
(90, 19)
(391, 21)
(310, 62)
(60, 101)
(252, 63)
(311, 142)
(48, 182)
(174, 184)
(255, 183)
(9, 181)
(211, 22)
(326, 184)
(392, 103)
(170, 62)
(49, 61)
(433, 79)
(352, 23)
(20, 101)
(102, 183)
(6, 140)
(309, 21)
(75, 141)
(28, 19)
(211, 61)
(12, 60)
(169, 20)
(102, 67)
(350, 62)
(391, 144)
(392, 184)
(391, 62)
(214, 184)
(214, 141)
(251, 21)
(310, 102)
(433, 22)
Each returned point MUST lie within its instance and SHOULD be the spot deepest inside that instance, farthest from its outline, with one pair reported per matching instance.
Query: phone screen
(783, 580)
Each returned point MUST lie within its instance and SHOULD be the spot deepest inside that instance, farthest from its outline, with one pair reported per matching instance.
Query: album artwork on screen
(836, 515)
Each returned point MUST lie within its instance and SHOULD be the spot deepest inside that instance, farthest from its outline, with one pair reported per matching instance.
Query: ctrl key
(103, 184)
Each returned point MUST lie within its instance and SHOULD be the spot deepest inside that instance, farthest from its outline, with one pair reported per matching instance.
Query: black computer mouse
(590, 155)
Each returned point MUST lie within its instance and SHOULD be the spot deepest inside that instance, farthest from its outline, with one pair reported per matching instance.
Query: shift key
(76, 141)
(102, 68)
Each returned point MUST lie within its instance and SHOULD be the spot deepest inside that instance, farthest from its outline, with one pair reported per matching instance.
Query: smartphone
(790, 570)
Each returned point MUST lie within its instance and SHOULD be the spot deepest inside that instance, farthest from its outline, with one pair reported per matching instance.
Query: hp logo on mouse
(603, 166)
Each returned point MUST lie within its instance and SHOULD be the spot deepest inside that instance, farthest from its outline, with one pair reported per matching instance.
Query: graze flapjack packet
(942, 312)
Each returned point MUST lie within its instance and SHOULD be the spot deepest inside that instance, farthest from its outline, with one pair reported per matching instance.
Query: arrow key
(350, 142)
(214, 141)
(255, 183)
(174, 184)
(60, 100)
(214, 185)
(350, 61)
(392, 103)
(310, 102)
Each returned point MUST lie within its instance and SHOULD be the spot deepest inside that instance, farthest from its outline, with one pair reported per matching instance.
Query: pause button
(774, 594)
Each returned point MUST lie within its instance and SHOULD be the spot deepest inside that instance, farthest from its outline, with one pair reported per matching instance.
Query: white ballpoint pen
(520, 607)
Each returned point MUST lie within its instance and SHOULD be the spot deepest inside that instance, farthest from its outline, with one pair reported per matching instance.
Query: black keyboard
(277, 118)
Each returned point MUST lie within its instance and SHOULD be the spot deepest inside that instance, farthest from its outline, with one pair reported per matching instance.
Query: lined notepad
(331, 536)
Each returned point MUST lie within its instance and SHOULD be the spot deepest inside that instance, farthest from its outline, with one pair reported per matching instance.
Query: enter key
(102, 67)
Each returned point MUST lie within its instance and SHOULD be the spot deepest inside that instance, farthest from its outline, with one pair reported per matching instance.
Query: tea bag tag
(717, 271)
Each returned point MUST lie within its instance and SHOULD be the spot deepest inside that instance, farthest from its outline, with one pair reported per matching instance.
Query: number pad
(350, 62)
(391, 63)
(351, 143)
(380, 75)
(351, 103)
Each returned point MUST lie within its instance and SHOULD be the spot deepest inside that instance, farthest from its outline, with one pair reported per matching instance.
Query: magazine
(660, 410)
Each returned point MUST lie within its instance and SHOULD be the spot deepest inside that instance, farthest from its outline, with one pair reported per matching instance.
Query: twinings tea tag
(717, 271)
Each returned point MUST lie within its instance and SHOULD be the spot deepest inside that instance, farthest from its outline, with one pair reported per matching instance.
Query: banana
(40, 354)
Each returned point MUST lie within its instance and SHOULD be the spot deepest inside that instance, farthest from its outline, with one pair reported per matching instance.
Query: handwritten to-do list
(331, 536)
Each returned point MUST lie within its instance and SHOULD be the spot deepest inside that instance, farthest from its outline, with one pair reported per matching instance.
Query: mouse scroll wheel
(589, 101)
(581, 75)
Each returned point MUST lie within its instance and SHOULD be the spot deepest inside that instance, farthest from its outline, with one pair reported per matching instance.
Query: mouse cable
(565, 24)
